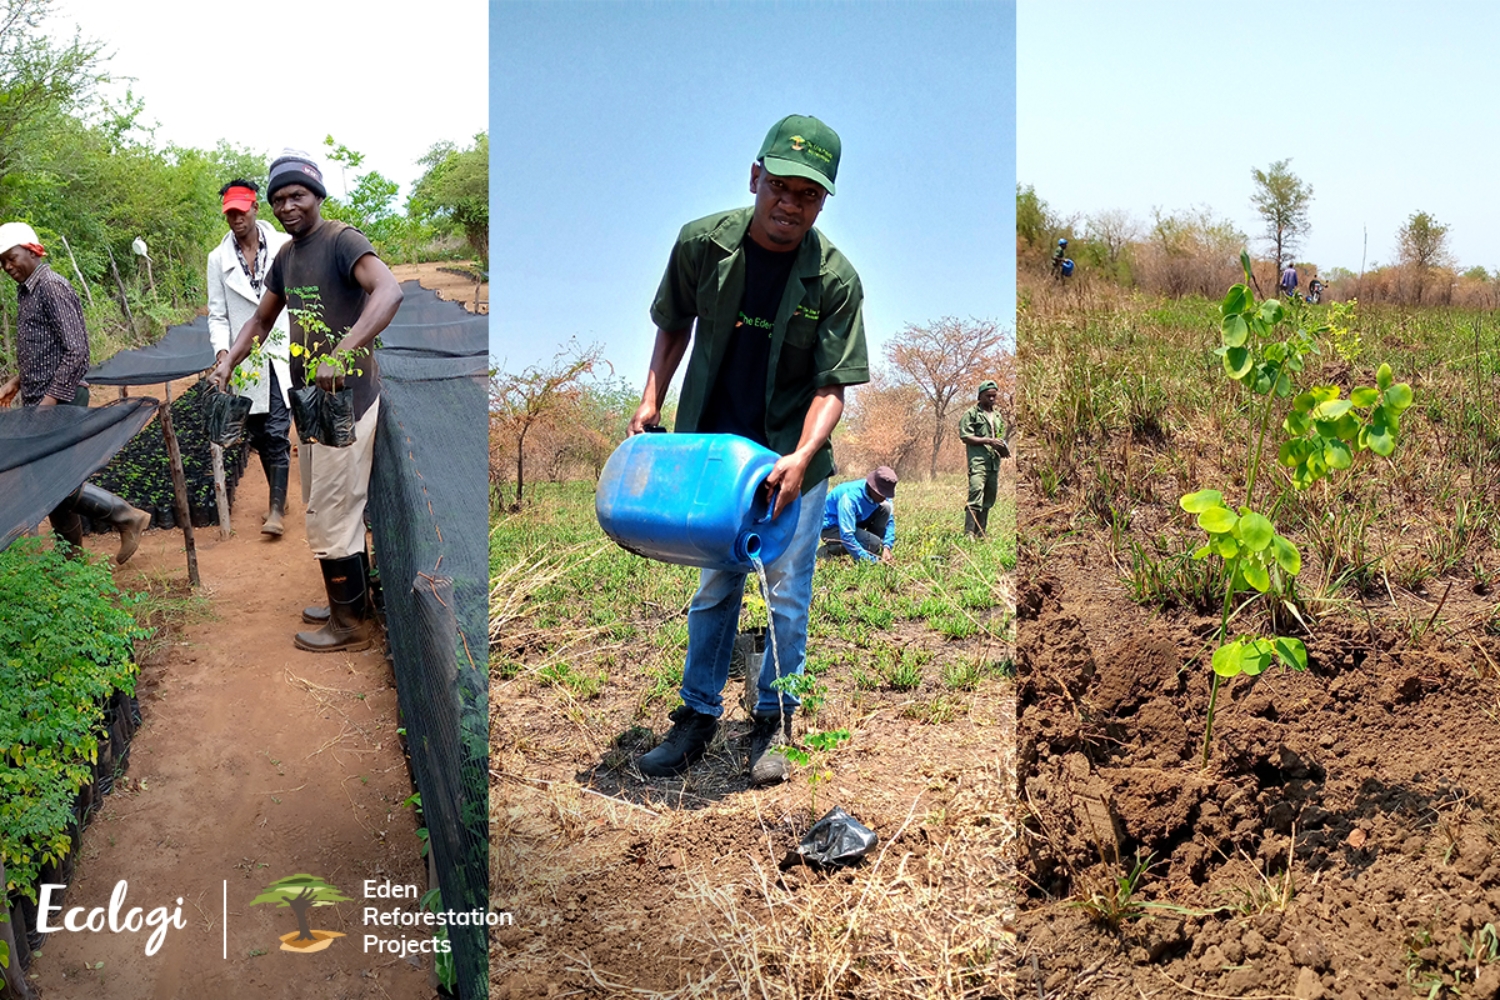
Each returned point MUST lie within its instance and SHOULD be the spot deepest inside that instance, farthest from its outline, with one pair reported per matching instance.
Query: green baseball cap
(987, 385)
(800, 146)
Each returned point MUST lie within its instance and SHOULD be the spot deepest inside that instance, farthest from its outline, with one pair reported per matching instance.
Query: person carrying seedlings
(983, 433)
(52, 351)
(779, 333)
(236, 279)
(331, 272)
(858, 517)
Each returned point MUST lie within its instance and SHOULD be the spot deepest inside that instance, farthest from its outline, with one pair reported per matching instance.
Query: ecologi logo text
(301, 893)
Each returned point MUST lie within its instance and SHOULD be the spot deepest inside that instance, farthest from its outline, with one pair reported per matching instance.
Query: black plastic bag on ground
(225, 420)
(838, 840)
(325, 418)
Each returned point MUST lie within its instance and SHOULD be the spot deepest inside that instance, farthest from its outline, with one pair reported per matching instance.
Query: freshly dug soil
(1367, 783)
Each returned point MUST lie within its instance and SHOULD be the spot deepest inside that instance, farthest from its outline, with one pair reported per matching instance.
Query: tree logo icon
(301, 893)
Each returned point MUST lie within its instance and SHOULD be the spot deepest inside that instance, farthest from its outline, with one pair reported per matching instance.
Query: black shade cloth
(182, 351)
(429, 509)
(426, 325)
(46, 454)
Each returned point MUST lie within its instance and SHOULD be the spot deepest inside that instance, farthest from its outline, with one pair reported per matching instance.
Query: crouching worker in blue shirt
(858, 515)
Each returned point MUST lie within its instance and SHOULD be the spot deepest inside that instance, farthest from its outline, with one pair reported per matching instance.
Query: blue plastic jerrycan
(694, 500)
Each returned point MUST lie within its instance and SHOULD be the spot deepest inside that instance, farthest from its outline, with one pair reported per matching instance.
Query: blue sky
(1382, 107)
(616, 123)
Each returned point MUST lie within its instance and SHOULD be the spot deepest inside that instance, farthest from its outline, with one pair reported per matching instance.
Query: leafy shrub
(66, 643)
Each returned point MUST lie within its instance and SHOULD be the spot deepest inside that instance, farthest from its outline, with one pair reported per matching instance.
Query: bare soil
(254, 761)
(1367, 781)
(622, 885)
(454, 281)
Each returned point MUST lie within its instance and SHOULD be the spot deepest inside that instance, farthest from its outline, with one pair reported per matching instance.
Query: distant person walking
(983, 434)
(1289, 282)
(52, 349)
(1315, 291)
(236, 281)
(1059, 260)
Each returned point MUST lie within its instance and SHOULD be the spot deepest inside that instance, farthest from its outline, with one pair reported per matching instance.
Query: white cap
(14, 234)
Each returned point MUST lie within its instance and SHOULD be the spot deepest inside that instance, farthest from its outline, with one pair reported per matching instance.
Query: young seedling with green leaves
(320, 348)
(818, 746)
(1324, 432)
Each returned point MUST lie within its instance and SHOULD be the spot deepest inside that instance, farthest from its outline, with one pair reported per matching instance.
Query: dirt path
(255, 761)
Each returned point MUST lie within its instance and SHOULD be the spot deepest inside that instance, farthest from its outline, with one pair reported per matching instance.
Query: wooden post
(86, 289)
(179, 488)
(221, 492)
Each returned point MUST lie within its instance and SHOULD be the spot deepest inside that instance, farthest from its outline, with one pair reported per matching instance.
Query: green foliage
(66, 644)
(455, 191)
(806, 689)
(442, 961)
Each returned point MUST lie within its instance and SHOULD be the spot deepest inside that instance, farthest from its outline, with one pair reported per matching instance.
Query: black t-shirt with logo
(737, 403)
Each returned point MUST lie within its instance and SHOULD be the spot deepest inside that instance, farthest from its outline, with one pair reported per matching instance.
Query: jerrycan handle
(770, 504)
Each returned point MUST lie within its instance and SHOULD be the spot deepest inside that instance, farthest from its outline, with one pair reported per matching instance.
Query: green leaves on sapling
(1326, 430)
(1247, 542)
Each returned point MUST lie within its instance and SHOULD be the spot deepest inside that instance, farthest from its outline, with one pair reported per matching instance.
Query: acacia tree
(1422, 245)
(521, 401)
(1282, 199)
(945, 360)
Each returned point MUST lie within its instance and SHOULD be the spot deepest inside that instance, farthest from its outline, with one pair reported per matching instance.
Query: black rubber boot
(984, 522)
(318, 614)
(102, 505)
(276, 476)
(768, 765)
(971, 524)
(344, 579)
(67, 525)
(688, 739)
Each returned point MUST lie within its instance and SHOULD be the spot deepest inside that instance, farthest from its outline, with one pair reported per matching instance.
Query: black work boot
(768, 765)
(984, 522)
(276, 476)
(346, 629)
(316, 614)
(102, 505)
(971, 524)
(688, 739)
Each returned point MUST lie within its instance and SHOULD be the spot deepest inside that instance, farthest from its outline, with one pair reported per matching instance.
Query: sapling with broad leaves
(1323, 434)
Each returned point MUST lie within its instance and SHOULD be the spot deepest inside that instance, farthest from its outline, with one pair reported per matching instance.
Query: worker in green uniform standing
(983, 434)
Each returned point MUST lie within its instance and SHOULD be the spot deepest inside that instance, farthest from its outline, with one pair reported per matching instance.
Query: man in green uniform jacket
(773, 314)
(983, 434)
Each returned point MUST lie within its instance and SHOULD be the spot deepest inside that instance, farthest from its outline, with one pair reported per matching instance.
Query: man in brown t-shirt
(356, 297)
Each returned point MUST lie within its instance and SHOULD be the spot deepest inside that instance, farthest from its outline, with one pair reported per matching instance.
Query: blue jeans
(714, 619)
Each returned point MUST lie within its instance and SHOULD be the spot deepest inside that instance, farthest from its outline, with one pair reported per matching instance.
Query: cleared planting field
(1341, 841)
(622, 885)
